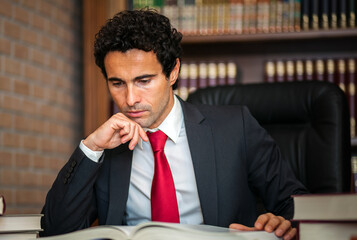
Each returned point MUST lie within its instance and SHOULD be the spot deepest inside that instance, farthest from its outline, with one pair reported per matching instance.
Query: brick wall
(40, 96)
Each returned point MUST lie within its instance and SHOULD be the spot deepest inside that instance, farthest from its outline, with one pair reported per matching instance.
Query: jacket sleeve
(269, 176)
(71, 203)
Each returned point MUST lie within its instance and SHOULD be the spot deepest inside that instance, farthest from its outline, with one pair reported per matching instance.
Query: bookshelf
(251, 51)
(303, 35)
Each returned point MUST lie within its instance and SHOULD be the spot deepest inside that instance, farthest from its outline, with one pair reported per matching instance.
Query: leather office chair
(309, 120)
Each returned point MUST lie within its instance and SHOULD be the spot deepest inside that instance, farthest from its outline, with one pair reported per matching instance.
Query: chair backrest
(309, 120)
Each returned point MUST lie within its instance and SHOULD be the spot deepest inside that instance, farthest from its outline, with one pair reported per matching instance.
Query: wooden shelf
(304, 35)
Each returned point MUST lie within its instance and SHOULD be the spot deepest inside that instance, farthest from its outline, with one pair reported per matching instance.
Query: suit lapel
(120, 169)
(200, 140)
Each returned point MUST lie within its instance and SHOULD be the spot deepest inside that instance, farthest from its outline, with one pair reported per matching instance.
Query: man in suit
(219, 157)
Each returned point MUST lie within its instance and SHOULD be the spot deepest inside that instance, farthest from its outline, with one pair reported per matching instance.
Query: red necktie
(163, 195)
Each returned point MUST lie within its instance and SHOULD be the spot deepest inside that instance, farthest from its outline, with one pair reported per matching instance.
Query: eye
(143, 81)
(117, 83)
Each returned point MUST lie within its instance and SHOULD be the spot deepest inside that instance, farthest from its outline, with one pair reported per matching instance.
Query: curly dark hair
(143, 29)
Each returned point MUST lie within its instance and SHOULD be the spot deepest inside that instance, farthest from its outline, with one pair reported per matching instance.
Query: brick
(23, 123)
(46, 77)
(11, 139)
(30, 142)
(28, 106)
(12, 66)
(38, 92)
(21, 51)
(21, 87)
(5, 159)
(46, 8)
(30, 196)
(40, 162)
(23, 160)
(30, 36)
(21, 14)
(12, 103)
(41, 126)
(5, 46)
(39, 22)
(28, 178)
(31, 72)
(5, 84)
(9, 177)
(46, 43)
(38, 57)
(12, 30)
(32, 4)
(6, 8)
(48, 179)
(5, 120)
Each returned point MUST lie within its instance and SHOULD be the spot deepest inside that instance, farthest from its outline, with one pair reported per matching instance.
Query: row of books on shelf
(215, 17)
(202, 74)
(18, 226)
(341, 71)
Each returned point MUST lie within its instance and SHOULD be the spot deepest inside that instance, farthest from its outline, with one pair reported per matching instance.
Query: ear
(175, 72)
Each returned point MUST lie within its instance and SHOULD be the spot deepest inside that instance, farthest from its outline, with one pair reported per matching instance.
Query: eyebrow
(136, 78)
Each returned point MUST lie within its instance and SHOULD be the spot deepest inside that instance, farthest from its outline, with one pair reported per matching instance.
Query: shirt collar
(171, 125)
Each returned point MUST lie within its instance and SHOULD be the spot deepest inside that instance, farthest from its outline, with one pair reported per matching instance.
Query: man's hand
(117, 130)
(270, 223)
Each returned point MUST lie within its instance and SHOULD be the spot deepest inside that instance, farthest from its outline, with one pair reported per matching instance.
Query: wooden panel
(96, 96)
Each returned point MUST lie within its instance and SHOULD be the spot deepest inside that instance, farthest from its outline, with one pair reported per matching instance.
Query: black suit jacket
(234, 160)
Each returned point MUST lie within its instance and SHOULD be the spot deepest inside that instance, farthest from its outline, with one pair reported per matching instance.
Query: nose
(132, 96)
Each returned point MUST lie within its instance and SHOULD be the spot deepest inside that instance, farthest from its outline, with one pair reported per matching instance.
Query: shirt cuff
(92, 155)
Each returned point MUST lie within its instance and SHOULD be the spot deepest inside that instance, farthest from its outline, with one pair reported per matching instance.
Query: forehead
(131, 61)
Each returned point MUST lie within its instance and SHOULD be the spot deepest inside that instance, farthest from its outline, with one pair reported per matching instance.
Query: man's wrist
(89, 144)
(91, 154)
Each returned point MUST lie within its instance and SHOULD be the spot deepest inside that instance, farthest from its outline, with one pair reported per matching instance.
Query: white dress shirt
(138, 208)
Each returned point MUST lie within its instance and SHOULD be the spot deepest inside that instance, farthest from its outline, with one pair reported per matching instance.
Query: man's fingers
(241, 227)
(283, 228)
(143, 134)
(135, 137)
(262, 221)
(290, 234)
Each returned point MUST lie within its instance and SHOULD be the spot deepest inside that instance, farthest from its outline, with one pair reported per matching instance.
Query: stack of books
(326, 216)
(18, 226)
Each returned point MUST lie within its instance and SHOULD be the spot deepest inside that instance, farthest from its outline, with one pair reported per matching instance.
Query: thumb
(241, 227)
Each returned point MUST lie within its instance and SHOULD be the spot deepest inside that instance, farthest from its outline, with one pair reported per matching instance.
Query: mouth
(135, 114)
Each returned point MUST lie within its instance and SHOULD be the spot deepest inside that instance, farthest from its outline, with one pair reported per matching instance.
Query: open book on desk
(163, 231)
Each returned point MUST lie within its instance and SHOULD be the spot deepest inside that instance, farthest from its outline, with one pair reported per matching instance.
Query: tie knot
(157, 140)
